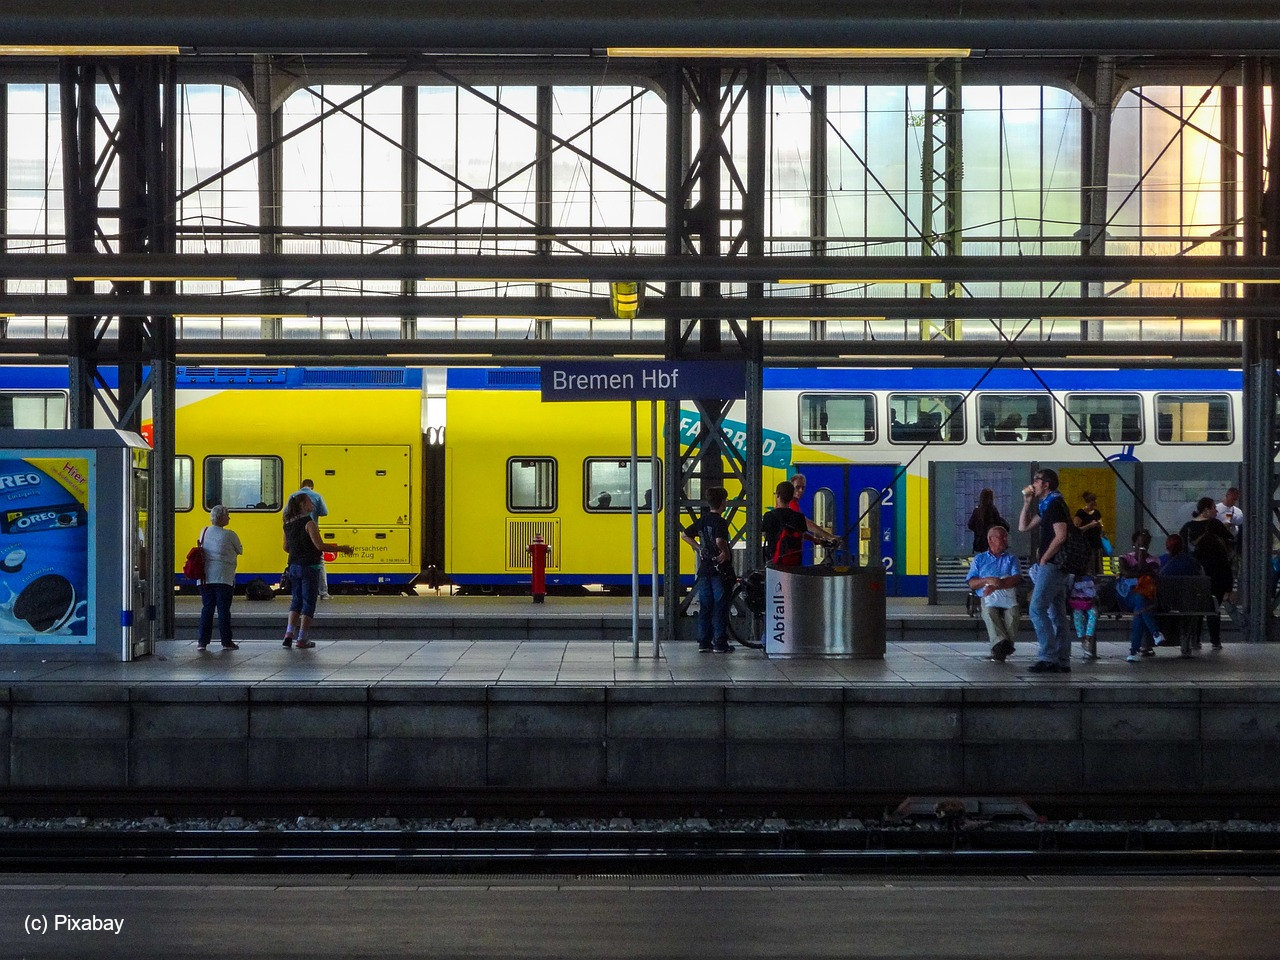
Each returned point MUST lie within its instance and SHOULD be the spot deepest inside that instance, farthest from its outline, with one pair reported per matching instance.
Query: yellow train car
(247, 437)
(516, 467)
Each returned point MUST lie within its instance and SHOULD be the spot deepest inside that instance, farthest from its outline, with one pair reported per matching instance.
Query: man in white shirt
(1231, 515)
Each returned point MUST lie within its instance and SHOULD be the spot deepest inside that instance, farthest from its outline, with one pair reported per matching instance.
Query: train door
(369, 491)
(833, 500)
(1115, 501)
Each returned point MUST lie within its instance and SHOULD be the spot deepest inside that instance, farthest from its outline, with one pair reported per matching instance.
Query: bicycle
(747, 600)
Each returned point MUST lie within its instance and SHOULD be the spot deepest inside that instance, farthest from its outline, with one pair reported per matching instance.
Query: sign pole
(653, 522)
(635, 541)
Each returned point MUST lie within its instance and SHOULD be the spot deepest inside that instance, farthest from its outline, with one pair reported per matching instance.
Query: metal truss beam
(576, 28)
(1066, 309)
(1062, 353)
(685, 268)
(942, 177)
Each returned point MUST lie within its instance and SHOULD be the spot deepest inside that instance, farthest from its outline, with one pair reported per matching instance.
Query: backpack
(193, 568)
(1076, 552)
(257, 589)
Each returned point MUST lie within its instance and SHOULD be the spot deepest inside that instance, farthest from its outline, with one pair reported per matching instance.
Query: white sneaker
(323, 596)
(1133, 658)
(1158, 640)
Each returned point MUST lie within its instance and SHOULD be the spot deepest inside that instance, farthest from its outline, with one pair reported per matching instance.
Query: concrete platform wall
(693, 741)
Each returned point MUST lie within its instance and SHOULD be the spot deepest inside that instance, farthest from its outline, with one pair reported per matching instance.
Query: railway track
(975, 848)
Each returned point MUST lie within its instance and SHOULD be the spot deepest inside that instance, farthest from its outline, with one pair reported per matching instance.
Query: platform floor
(577, 663)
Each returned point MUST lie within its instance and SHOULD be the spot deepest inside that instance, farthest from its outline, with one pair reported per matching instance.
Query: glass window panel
(531, 484)
(837, 418)
(1104, 418)
(607, 487)
(1015, 418)
(33, 411)
(921, 417)
(183, 484)
(1193, 418)
(251, 484)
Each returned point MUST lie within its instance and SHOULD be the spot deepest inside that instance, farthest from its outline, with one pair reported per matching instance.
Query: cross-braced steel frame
(128, 153)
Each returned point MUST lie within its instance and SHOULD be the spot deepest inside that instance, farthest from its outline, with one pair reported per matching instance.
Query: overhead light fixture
(150, 279)
(1110, 358)
(82, 50)
(505, 280)
(1107, 316)
(1206, 280)
(521, 316)
(793, 53)
(893, 356)
(23, 356)
(814, 319)
(429, 356)
(206, 356)
(638, 356)
(823, 282)
(239, 316)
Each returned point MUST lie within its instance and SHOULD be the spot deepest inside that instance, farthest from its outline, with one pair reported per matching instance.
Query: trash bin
(824, 612)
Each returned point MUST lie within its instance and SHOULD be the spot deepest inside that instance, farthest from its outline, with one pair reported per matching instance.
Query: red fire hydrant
(538, 552)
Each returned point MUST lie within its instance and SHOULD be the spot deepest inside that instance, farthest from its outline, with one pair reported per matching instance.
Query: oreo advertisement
(44, 550)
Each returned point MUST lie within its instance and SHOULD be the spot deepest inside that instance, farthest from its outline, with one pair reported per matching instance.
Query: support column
(409, 194)
(141, 149)
(818, 191)
(1096, 161)
(542, 197)
(1228, 164)
(942, 180)
(270, 129)
(705, 196)
(1261, 352)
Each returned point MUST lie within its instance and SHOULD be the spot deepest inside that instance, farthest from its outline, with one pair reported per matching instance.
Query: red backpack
(193, 569)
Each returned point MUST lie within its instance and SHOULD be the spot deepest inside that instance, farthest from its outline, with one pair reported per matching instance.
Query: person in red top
(819, 534)
(785, 530)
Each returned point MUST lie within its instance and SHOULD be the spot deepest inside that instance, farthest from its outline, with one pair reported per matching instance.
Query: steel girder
(689, 267)
(1261, 496)
(942, 176)
(136, 153)
(701, 223)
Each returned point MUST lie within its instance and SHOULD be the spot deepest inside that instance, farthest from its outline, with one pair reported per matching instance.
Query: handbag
(193, 568)
(286, 582)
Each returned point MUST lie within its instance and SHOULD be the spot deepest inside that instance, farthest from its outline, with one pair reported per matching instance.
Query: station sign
(643, 380)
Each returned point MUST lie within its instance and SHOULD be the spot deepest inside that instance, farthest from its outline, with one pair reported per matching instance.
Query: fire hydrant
(538, 552)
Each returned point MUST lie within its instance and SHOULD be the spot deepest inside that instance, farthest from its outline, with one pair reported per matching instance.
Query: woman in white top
(221, 550)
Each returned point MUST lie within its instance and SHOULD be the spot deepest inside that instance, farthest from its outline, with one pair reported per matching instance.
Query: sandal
(304, 644)
(288, 641)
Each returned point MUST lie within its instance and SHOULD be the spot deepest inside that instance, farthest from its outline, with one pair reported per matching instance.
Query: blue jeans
(306, 589)
(713, 610)
(1049, 615)
(1143, 621)
(215, 596)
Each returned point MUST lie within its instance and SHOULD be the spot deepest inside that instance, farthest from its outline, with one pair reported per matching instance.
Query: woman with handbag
(985, 516)
(306, 553)
(1136, 589)
(221, 549)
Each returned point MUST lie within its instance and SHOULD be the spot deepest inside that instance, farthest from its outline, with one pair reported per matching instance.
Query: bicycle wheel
(746, 628)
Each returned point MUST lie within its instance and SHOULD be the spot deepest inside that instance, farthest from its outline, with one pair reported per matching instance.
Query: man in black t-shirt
(709, 536)
(784, 529)
(1044, 507)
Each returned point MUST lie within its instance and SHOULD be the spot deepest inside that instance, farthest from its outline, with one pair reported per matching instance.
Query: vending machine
(73, 533)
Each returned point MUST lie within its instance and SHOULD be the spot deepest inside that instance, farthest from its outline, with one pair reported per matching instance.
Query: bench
(1181, 604)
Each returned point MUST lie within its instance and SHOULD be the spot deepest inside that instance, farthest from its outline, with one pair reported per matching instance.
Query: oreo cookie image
(13, 560)
(47, 602)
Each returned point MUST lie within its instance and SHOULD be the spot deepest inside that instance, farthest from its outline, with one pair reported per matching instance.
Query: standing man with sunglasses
(1044, 507)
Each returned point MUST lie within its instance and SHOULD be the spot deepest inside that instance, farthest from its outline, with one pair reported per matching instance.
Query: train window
(243, 484)
(1015, 418)
(184, 469)
(1104, 418)
(607, 485)
(837, 418)
(531, 484)
(33, 411)
(1193, 418)
(921, 417)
